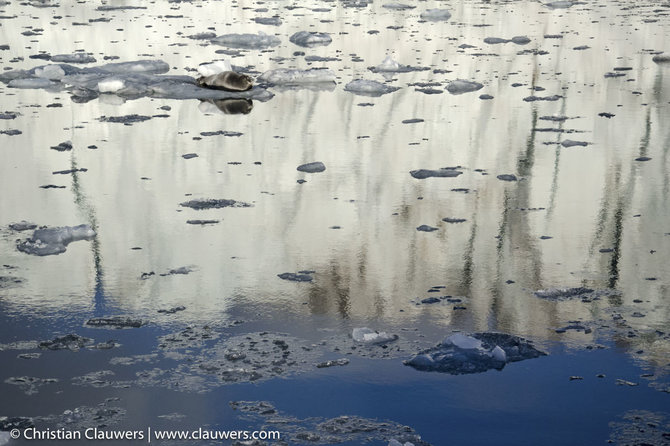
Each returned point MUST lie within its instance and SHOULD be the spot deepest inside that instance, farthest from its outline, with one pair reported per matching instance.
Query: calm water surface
(585, 215)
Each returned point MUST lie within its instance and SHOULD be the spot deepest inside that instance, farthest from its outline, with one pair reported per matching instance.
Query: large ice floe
(51, 241)
(461, 354)
(130, 80)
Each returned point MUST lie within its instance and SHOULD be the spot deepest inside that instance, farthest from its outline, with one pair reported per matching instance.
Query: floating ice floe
(519, 40)
(563, 293)
(435, 15)
(218, 66)
(560, 4)
(445, 172)
(74, 58)
(286, 76)
(50, 241)
(272, 21)
(314, 167)
(22, 226)
(32, 83)
(461, 354)
(572, 143)
(296, 277)
(214, 204)
(394, 442)
(365, 87)
(310, 39)
(129, 80)
(397, 6)
(247, 41)
(389, 65)
(368, 336)
(460, 86)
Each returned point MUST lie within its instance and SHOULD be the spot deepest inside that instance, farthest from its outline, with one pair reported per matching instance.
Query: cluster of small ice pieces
(51, 241)
(462, 354)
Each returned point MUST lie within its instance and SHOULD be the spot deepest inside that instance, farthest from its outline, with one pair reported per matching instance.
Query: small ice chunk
(520, 40)
(218, 66)
(435, 15)
(50, 241)
(310, 39)
(247, 41)
(365, 87)
(285, 76)
(394, 442)
(314, 167)
(53, 72)
(73, 58)
(560, 4)
(571, 143)
(32, 83)
(137, 66)
(507, 177)
(499, 354)
(495, 40)
(397, 6)
(388, 65)
(369, 336)
(461, 86)
(111, 85)
(22, 226)
(422, 174)
(463, 341)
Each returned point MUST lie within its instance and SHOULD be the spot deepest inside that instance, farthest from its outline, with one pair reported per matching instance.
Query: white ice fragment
(499, 354)
(111, 85)
(50, 241)
(388, 65)
(369, 336)
(31, 83)
(463, 341)
(73, 58)
(54, 72)
(394, 442)
(285, 76)
(368, 88)
(435, 15)
(215, 67)
(397, 6)
(309, 39)
(138, 66)
(249, 41)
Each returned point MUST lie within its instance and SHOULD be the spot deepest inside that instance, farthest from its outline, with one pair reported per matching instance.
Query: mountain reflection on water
(587, 207)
